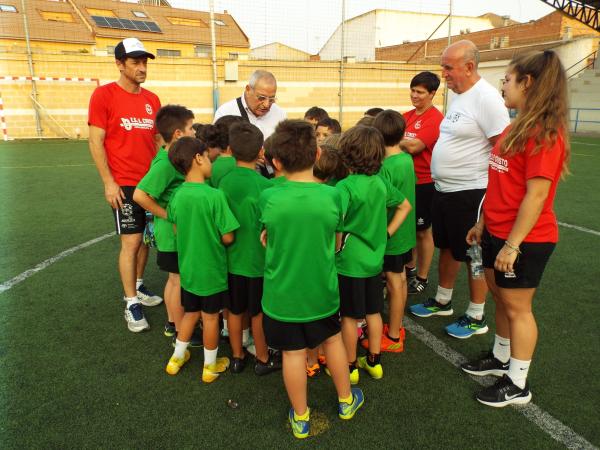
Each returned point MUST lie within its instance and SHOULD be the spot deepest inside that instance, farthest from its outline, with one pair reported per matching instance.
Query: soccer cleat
(195, 340)
(313, 371)
(224, 333)
(388, 345)
(134, 315)
(375, 371)
(487, 365)
(300, 428)
(504, 392)
(431, 308)
(346, 411)
(238, 364)
(148, 298)
(175, 364)
(169, 330)
(265, 368)
(466, 326)
(211, 372)
(416, 286)
(322, 360)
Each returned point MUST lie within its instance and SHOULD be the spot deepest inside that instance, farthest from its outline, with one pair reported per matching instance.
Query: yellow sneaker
(212, 371)
(175, 364)
(354, 376)
(375, 371)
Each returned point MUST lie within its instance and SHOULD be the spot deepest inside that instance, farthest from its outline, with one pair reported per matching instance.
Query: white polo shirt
(266, 123)
(460, 157)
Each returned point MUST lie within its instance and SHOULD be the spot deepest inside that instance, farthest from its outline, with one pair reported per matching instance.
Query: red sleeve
(547, 162)
(98, 111)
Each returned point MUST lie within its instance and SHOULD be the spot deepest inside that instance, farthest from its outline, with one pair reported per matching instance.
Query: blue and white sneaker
(466, 326)
(431, 308)
(147, 297)
(134, 315)
(346, 411)
(300, 428)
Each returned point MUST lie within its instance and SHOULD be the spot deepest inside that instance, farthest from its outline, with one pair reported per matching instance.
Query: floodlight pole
(342, 42)
(34, 93)
(213, 45)
(449, 42)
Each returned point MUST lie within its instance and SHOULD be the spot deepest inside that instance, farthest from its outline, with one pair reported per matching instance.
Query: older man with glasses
(257, 104)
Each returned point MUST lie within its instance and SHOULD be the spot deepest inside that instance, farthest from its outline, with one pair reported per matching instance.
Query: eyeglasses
(264, 98)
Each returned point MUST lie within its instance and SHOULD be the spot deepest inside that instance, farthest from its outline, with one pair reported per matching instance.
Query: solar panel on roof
(100, 21)
(126, 24)
(140, 25)
(113, 22)
(153, 27)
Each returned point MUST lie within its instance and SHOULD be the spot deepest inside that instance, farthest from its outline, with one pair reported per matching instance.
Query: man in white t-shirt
(459, 168)
(257, 104)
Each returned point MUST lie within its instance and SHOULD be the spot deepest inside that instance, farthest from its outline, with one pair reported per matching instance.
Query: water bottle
(476, 261)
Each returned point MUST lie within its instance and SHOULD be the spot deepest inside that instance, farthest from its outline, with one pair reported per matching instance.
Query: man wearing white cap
(123, 141)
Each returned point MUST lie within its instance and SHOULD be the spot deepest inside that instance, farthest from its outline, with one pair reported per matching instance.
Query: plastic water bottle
(476, 261)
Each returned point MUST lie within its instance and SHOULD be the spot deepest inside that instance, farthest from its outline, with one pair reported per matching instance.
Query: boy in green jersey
(300, 296)
(204, 224)
(398, 169)
(216, 137)
(153, 194)
(330, 168)
(365, 197)
(246, 256)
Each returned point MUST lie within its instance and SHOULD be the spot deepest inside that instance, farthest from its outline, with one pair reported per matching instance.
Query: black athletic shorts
(396, 263)
(245, 294)
(287, 336)
(453, 214)
(360, 296)
(131, 218)
(209, 304)
(528, 268)
(423, 200)
(167, 261)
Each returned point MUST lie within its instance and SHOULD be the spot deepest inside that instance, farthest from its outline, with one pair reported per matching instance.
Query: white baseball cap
(131, 48)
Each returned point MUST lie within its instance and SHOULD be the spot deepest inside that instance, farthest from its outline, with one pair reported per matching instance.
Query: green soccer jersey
(300, 280)
(160, 183)
(202, 216)
(242, 187)
(278, 180)
(220, 167)
(364, 202)
(399, 170)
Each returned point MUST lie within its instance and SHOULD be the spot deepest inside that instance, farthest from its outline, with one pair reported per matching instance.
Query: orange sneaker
(313, 371)
(322, 360)
(387, 345)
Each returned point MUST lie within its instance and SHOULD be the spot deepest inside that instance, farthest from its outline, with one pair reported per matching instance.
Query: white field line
(46, 167)
(41, 266)
(578, 228)
(585, 143)
(546, 422)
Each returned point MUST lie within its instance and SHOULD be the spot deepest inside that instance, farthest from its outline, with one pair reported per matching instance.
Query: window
(219, 22)
(110, 49)
(8, 8)
(100, 12)
(188, 22)
(139, 14)
(202, 51)
(57, 16)
(167, 52)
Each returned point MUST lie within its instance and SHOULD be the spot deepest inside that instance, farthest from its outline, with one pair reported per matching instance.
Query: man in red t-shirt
(123, 141)
(421, 134)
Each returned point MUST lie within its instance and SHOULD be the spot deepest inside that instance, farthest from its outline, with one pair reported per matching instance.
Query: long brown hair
(545, 112)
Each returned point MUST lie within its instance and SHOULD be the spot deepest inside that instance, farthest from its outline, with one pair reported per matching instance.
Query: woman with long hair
(518, 229)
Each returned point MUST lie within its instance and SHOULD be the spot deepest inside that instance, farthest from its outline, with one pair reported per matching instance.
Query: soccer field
(72, 376)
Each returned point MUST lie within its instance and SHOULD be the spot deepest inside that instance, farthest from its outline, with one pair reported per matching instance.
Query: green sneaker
(346, 411)
(375, 371)
(300, 428)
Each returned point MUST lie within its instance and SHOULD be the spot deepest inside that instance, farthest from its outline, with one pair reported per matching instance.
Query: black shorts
(131, 218)
(453, 214)
(245, 294)
(528, 268)
(423, 201)
(396, 263)
(167, 261)
(360, 296)
(287, 336)
(209, 304)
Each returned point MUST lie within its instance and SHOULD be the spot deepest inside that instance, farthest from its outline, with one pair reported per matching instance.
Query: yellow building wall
(19, 46)
(188, 81)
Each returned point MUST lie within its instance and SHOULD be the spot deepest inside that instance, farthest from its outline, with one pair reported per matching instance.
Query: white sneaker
(134, 315)
(147, 297)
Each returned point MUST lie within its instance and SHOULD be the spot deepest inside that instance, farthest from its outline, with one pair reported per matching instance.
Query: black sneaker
(238, 364)
(195, 340)
(487, 365)
(169, 329)
(503, 393)
(416, 286)
(265, 368)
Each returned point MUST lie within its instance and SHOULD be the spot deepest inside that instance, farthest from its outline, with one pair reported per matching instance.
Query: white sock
(443, 295)
(139, 282)
(180, 348)
(245, 335)
(517, 371)
(475, 310)
(501, 349)
(131, 300)
(225, 325)
(210, 356)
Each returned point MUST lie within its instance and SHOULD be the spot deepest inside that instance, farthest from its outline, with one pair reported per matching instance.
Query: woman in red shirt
(518, 229)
